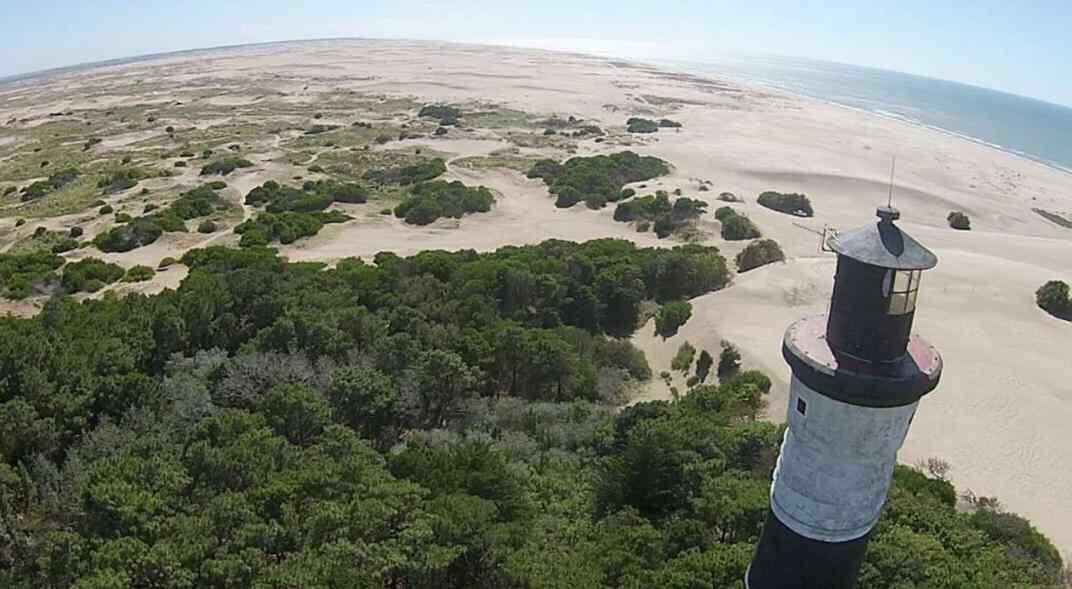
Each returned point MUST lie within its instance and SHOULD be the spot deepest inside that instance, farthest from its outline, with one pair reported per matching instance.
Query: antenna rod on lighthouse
(893, 166)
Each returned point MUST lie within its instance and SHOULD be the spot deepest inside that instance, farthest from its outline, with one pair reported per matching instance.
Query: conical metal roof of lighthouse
(883, 244)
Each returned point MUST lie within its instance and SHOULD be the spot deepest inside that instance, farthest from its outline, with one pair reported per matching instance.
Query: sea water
(1038, 130)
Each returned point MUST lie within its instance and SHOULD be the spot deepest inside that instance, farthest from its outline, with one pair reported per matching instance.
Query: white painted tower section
(836, 464)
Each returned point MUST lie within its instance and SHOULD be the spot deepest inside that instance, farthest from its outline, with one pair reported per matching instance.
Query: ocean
(1034, 129)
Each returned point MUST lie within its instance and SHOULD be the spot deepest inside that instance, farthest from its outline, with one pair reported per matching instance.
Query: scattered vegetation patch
(65, 245)
(729, 197)
(664, 216)
(411, 174)
(286, 227)
(446, 115)
(54, 182)
(788, 203)
(595, 180)
(958, 220)
(225, 166)
(120, 180)
(139, 274)
(759, 253)
(313, 196)
(669, 124)
(736, 226)
(432, 200)
(23, 274)
(1054, 298)
(90, 275)
(141, 231)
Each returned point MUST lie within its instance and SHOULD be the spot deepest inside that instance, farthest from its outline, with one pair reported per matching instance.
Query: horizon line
(131, 59)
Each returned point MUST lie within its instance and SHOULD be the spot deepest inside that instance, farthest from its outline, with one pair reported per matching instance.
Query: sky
(1020, 47)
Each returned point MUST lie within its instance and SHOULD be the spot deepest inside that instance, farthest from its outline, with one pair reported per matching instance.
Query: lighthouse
(858, 376)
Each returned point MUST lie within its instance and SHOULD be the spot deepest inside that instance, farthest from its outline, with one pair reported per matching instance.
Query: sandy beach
(1001, 413)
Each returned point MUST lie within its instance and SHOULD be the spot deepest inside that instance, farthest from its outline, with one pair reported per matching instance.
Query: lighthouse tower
(858, 376)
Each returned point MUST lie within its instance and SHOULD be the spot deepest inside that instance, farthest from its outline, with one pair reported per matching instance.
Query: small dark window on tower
(802, 407)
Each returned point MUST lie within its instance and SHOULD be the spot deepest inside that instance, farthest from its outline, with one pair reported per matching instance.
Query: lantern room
(879, 270)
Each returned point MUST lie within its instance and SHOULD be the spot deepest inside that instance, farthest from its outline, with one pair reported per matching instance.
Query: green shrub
(959, 220)
(736, 226)
(671, 317)
(89, 275)
(206, 226)
(54, 182)
(639, 125)
(119, 181)
(314, 196)
(1053, 297)
(682, 361)
(788, 203)
(658, 211)
(597, 178)
(411, 174)
(139, 274)
(65, 245)
(663, 226)
(122, 218)
(729, 361)
(20, 274)
(759, 253)
(182, 164)
(164, 263)
(20, 222)
(106, 210)
(667, 123)
(75, 231)
(225, 166)
(137, 233)
(431, 200)
(447, 115)
(199, 202)
(217, 185)
(285, 227)
(440, 131)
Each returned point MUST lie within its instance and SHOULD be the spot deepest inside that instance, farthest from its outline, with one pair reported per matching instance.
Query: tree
(729, 361)
(703, 365)
(365, 399)
(672, 316)
(296, 412)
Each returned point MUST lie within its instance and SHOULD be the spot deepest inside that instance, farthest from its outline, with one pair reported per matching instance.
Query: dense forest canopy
(443, 420)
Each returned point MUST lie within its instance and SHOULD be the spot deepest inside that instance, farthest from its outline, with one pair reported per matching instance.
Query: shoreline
(774, 87)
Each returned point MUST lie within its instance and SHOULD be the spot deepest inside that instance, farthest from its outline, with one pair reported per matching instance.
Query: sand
(1000, 416)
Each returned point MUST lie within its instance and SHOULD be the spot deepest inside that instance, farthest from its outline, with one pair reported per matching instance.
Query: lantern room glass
(904, 293)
